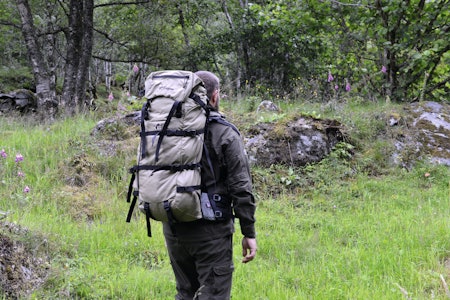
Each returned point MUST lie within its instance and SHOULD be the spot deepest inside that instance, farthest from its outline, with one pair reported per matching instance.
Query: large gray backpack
(166, 179)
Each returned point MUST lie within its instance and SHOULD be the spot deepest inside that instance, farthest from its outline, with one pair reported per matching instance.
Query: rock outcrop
(298, 142)
(423, 133)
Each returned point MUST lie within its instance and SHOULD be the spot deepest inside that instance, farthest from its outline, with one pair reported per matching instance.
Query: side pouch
(207, 210)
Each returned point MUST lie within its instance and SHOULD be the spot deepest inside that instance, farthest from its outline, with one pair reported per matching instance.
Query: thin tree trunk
(86, 53)
(74, 38)
(187, 41)
(238, 49)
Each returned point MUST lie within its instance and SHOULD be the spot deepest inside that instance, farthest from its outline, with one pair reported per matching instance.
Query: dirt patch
(23, 268)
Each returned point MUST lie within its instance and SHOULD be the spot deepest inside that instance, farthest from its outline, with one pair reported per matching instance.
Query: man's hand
(248, 249)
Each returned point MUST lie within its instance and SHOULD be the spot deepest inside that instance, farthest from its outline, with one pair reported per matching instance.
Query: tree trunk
(187, 42)
(86, 53)
(238, 46)
(79, 37)
(45, 88)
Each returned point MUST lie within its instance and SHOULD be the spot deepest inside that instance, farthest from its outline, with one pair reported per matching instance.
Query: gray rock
(426, 133)
(20, 100)
(299, 142)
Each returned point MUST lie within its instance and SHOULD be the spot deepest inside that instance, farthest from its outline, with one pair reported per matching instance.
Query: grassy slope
(349, 236)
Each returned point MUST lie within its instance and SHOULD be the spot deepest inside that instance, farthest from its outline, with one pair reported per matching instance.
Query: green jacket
(231, 180)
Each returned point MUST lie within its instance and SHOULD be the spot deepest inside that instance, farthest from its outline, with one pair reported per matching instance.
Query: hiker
(201, 251)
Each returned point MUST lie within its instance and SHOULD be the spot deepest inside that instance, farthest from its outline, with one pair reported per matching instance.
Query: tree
(395, 49)
(283, 43)
(78, 40)
(44, 76)
(79, 37)
(415, 38)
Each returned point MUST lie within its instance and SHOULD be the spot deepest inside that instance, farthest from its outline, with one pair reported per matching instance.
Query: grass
(332, 231)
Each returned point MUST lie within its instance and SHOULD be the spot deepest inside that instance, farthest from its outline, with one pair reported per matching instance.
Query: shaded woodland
(69, 52)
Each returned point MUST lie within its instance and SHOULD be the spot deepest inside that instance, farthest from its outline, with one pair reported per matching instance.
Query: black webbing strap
(199, 101)
(172, 76)
(165, 126)
(170, 216)
(224, 122)
(188, 189)
(173, 168)
(170, 132)
(144, 116)
(130, 185)
(208, 159)
(147, 219)
(130, 192)
(133, 204)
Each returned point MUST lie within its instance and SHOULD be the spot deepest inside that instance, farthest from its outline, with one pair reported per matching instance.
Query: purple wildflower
(19, 158)
(383, 69)
(348, 87)
(26, 189)
(3, 153)
(336, 87)
(330, 77)
(20, 174)
(135, 69)
(111, 97)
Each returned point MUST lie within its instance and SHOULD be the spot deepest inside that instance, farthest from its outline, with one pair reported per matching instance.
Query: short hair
(211, 81)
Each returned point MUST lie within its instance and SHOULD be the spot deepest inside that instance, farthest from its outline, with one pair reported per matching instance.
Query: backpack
(166, 179)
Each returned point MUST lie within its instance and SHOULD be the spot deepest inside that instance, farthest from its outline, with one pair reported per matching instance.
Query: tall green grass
(333, 232)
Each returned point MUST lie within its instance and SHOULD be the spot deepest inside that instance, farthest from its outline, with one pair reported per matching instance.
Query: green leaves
(266, 43)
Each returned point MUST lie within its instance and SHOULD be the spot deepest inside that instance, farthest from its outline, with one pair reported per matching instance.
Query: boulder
(298, 142)
(267, 105)
(423, 134)
(21, 100)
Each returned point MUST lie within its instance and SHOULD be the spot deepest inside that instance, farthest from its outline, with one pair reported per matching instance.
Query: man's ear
(214, 97)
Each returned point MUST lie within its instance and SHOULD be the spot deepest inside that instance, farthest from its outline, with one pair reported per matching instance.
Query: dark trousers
(203, 270)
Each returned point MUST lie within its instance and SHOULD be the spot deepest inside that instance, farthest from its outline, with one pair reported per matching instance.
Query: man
(201, 252)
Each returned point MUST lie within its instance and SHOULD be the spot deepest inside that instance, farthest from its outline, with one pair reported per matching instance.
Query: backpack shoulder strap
(220, 119)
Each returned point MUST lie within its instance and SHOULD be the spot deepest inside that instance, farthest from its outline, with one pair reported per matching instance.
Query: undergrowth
(349, 227)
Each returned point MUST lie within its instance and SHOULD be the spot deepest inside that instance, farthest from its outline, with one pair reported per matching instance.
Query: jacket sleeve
(240, 183)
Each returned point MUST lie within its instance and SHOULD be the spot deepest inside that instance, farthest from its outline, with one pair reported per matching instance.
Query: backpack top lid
(173, 84)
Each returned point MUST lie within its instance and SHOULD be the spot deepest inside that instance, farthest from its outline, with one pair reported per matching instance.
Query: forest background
(67, 51)
(352, 226)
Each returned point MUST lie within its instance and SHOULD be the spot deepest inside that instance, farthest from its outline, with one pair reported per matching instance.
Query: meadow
(345, 228)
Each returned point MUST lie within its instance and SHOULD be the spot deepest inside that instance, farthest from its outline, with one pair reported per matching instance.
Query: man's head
(212, 85)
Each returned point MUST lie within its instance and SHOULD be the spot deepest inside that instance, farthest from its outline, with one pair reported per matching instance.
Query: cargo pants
(203, 270)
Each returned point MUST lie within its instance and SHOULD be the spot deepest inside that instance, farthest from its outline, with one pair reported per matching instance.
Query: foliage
(15, 77)
(392, 49)
(293, 52)
(397, 50)
(414, 38)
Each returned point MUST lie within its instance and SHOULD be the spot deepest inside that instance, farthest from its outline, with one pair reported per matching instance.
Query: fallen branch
(404, 292)
(447, 292)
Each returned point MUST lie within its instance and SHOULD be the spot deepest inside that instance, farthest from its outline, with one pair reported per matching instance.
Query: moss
(24, 261)
(281, 129)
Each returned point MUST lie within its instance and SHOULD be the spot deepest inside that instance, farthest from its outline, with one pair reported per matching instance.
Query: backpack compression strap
(135, 194)
(144, 116)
